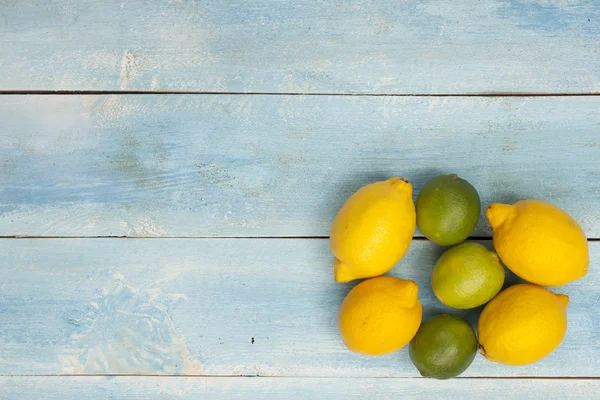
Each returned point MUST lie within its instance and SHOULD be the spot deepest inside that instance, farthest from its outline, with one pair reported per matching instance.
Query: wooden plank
(209, 388)
(187, 165)
(363, 46)
(265, 307)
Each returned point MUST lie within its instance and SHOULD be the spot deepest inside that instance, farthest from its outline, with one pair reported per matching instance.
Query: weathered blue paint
(221, 165)
(195, 306)
(214, 388)
(362, 46)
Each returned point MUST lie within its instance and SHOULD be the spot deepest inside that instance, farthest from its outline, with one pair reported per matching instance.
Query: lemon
(448, 209)
(373, 230)
(467, 275)
(522, 325)
(539, 242)
(443, 347)
(380, 315)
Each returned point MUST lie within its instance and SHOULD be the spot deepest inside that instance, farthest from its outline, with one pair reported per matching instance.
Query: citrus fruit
(467, 275)
(380, 315)
(372, 230)
(444, 347)
(448, 209)
(522, 325)
(539, 242)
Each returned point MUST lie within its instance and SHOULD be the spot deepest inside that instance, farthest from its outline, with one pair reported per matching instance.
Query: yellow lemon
(522, 325)
(380, 315)
(373, 230)
(539, 242)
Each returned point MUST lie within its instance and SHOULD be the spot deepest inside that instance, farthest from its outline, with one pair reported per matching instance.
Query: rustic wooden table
(169, 171)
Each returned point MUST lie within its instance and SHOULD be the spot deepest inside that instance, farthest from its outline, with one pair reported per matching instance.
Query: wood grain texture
(256, 307)
(212, 388)
(363, 46)
(186, 165)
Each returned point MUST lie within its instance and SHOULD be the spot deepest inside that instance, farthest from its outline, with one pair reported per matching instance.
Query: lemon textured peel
(380, 315)
(522, 325)
(373, 230)
(539, 242)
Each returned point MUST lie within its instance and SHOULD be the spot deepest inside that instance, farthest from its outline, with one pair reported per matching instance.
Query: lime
(466, 276)
(444, 347)
(448, 209)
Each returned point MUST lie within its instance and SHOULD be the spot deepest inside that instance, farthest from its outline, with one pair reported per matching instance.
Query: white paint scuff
(129, 67)
(128, 330)
(154, 83)
(143, 227)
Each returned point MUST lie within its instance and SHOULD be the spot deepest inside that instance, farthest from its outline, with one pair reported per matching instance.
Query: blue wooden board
(195, 307)
(306, 46)
(213, 388)
(205, 289)
(194, 165)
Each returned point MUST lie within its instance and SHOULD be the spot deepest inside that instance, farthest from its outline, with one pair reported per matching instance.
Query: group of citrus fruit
(520, 325)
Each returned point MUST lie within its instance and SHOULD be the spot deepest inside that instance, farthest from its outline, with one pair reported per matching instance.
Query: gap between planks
(416, 238)
(149, 92)
(586, 378)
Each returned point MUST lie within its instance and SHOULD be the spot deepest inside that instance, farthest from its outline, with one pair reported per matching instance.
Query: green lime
(448, 209)
(444, 347)
(467, 276)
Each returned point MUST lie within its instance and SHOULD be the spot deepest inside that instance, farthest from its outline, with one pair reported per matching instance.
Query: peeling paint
(128, 330)
(129, 66)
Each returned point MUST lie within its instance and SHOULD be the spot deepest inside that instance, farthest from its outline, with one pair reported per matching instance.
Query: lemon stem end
(341, 272)
(498, 213)
(410, 295)
(563, 300)
(401, 184)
